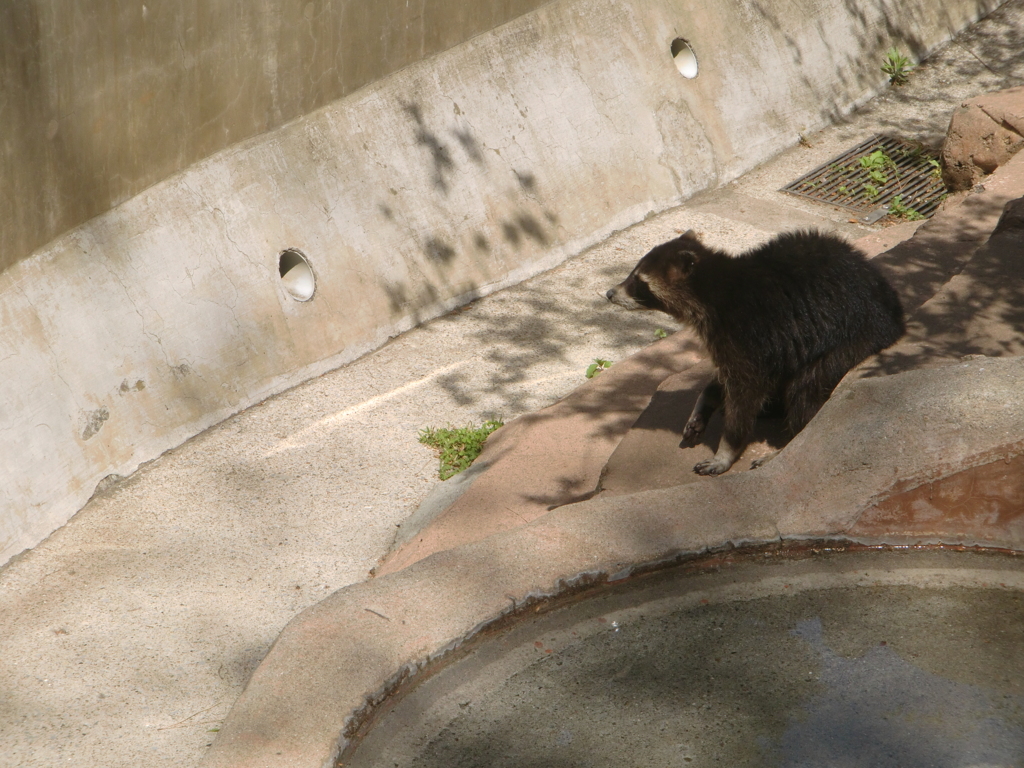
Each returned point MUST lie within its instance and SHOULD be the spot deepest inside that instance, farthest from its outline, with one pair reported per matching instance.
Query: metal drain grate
(882, 176)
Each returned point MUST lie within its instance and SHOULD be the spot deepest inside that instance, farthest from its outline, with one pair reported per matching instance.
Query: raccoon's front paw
(711, 467)
(694, 428)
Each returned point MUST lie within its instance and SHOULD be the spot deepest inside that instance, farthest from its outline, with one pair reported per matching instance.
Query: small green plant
(876, 165)
(901, 211)
(660, 333)
(597, 366)
(936, 167)
(457, 448)
(844, 190)
(897, 67)
(871, 191)
(876, 159)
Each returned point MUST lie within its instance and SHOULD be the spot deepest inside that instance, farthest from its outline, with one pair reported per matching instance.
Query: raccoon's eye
(643, 296)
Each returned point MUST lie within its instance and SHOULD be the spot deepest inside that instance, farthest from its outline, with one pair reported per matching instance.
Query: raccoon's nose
(609, 294)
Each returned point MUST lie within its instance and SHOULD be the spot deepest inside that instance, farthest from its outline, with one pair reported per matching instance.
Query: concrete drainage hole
(684, 58)
(296, 275)
(865, 660)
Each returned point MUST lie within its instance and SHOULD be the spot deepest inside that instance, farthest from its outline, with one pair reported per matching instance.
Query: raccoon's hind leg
(741, 409)
(806, 392)
(710, 400)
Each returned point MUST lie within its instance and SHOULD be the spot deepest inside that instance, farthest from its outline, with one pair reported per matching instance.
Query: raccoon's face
(658, 280)
(635, 293)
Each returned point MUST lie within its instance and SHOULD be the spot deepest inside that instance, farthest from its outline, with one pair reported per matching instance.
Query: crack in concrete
(142, 318)
(987, 66)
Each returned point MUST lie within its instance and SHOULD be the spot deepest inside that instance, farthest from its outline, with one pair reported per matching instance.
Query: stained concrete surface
(184, 82)
(452, 178)
(127, 635)
(867, 660)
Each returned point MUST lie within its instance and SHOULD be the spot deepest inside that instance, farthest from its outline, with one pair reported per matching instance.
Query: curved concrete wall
(102, 99)
(446, 180)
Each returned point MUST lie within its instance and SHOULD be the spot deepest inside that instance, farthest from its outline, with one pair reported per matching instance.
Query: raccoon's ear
(690, 234)
(681, 266)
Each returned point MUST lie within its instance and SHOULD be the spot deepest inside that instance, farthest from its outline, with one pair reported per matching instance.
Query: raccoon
(782, 323)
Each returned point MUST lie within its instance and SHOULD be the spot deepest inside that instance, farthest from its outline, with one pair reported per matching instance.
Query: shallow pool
(871, 659)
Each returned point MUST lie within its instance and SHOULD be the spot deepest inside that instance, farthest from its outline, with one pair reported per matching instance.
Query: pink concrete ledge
(870, 449)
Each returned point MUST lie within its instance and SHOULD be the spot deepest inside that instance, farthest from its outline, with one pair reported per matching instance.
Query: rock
(1012, 218)
(983, 133)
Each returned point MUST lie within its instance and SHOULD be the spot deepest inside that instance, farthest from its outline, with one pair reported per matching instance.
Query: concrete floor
(127, 635)
(865, 660)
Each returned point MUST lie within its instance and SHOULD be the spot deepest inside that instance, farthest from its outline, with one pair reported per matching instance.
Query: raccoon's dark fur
(783, 323)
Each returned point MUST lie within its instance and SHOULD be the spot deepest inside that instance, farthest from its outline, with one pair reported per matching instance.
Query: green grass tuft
(458, 447)
(897, 67)
(901, 211)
